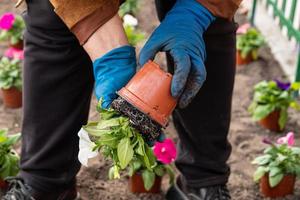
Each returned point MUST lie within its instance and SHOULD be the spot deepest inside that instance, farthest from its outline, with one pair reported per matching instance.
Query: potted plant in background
(144, 181)
(9, 160)
(11, 82)
(278, 167)
(11, 29)
(115, 137)
(271, 102)
(248, 45)
(130, 24)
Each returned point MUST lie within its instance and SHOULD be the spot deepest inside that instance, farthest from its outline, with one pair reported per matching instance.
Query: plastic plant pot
(12, 98)
(284, 188)
(271, 122)
(243, 61)
(19, 45)
(147, 100)
(136, 184)
(3, 185)
(150, 92)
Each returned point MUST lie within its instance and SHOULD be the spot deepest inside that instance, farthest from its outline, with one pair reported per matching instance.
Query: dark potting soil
(144, 124)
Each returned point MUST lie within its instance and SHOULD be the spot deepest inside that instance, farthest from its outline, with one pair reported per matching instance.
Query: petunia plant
(14, 53)
(279, 159)
(250, 42)
(11, 28)
(9, 160)
(274, 96)
(115, 138)
(10, 73)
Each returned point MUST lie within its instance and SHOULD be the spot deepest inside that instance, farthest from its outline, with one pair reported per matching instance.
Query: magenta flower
(289, 139)
(6, 21)
(14, 53)
(165, 151)
(283, 85)
(243, 29)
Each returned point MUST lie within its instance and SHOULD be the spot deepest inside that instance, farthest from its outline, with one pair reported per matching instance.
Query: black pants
(58, 83)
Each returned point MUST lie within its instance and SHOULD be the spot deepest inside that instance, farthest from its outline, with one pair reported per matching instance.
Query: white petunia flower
(85, 148)
(130, 20)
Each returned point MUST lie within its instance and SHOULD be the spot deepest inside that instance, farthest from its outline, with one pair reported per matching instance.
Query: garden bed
(245, 135)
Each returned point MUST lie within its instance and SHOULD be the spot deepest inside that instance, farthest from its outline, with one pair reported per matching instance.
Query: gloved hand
(181, 35)
(112, 72)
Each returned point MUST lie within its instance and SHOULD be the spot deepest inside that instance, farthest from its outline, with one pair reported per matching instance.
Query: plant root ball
(149, 129)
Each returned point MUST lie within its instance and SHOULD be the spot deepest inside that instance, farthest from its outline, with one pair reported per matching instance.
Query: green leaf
(92, 129)
(116, 172)
(159, 170)
(259, 173)
(275, 180)
(171, 173)
(150, 155)
(262, 160)
(134, 167)
(108, 123)
(125, 152)
(295, 86)
(148, 178)
(283, 118)
(295, 150)
(262, 111)
(141, 146)
(109, 140)
(274, 171)
(111, 172)
(254, 54)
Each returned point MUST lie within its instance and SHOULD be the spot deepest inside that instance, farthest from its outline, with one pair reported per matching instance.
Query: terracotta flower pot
(3, 185)
(284, 188)
(19, 45)
(136, 184)
(243, 61)
(12, 97)
(271, 122)
(150, 92)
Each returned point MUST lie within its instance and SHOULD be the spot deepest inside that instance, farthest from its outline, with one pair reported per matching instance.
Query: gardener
(198, 36)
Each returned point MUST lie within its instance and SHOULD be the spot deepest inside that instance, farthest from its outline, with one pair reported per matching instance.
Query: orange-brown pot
(3, 185)
(150, 92)
(243, 61)
(12, 97)
(271, 122)
(136, 184)
(19, 45)
(284, 188)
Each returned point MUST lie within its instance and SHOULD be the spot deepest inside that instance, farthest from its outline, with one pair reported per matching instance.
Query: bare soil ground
(245, 135)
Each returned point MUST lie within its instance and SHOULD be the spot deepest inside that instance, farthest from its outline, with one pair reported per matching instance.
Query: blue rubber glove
(112, 72)
(181, 35)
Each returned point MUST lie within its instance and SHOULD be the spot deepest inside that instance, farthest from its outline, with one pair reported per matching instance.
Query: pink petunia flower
(289, 139)
(165, 151)
(243, 29)
(14, 53)
(6, 21)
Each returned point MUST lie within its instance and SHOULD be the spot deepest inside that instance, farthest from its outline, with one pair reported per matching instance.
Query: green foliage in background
(134, 35)
(277, 161)
(268, 97)
(15, 34)
(249, 43)
(10, 73)
(129, 7)
(9, 160)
